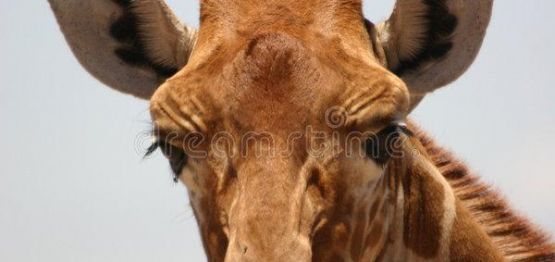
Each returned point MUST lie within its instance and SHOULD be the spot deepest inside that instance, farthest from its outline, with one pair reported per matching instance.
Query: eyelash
(379, 147)
(178, 158)
(152, 148)
(177, 164)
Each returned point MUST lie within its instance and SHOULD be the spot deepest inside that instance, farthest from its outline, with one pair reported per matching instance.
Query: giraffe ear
(430, 43)
(131, 46)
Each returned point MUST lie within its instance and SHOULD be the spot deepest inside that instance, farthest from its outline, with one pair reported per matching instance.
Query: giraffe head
(278, 115)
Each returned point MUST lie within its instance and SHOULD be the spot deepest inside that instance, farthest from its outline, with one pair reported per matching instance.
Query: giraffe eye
(177, 156)
(380, 147)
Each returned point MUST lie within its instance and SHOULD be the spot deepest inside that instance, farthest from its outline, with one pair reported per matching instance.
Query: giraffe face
(276, 157)
(277, 115)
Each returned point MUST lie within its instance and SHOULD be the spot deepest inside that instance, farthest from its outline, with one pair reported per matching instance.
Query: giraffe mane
(517, 238)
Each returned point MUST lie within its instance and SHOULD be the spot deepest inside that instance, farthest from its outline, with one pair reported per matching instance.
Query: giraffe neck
(412, 214)
(515, 237)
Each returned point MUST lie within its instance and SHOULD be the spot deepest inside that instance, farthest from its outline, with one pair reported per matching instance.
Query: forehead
(279, 81)
(273, 82)
(286, 85)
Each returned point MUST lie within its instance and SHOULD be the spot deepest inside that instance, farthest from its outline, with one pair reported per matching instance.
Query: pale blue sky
(74, 188)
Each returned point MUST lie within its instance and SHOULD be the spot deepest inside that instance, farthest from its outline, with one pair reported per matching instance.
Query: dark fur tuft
(132, 51)
(438, 40)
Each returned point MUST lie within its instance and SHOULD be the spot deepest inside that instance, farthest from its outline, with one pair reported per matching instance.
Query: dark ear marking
(438, 40)
(131, 51)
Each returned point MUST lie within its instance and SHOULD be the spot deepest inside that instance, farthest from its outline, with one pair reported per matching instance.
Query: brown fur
(277, 67)
(517, 238)
(423, 208)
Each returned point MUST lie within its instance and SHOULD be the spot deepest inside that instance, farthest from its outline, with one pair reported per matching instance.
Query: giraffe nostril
(316, 190)
(314, 183)
(242, 248)
(314, 177)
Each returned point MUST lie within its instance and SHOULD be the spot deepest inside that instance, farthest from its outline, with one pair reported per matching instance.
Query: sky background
(73, 186)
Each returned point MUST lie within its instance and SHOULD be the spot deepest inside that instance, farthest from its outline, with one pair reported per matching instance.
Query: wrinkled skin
(272, 201)
(285, 120)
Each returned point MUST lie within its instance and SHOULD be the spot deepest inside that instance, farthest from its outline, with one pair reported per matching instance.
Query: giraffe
(287, 121)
